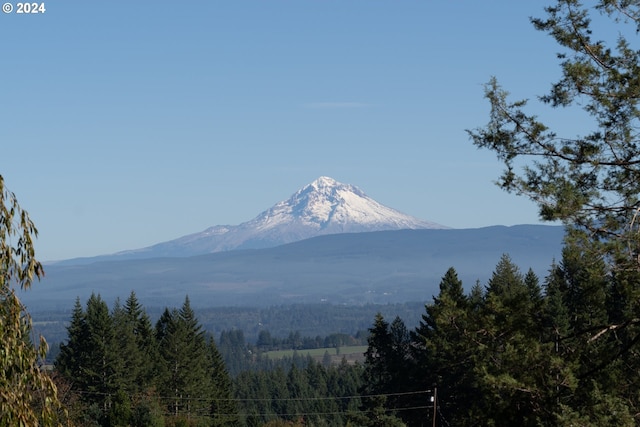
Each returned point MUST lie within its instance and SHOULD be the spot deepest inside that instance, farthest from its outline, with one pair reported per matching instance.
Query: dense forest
(309, 321)
(517, 350)
(510, 351)
(117, 369)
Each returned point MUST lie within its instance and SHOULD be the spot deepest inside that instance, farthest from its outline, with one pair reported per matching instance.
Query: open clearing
(352, 354)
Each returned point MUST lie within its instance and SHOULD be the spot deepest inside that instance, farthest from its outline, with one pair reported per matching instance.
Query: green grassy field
(318, 353)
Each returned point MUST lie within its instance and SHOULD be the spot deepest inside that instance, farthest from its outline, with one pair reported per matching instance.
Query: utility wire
(204, 413)
(282, 399)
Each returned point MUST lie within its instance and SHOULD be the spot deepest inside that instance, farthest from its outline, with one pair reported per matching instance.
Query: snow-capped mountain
(325, 206)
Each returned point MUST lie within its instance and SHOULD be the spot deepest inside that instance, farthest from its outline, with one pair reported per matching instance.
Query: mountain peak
(325, 206)
(330, 206)
(324, 181)
(327, 185)
(315, 202)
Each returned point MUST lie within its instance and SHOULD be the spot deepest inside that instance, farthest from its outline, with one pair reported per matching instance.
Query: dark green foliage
(513, 353)
(99, 376)
(72, 355)
(129, 358)
(95, 360)
(378, 358)
(185, 370)
(585, 318)
(444, 344)
(376, 416)
(389, 369)
(146, 347)
(507, 353)
(318, 325)
(323, 396)
(511, 361)
(309, 320)
(126, 373)
(223, 409)
(234, 351)
(589, 180)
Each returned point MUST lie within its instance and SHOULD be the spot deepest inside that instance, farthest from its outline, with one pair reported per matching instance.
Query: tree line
(510, 351)
(313, 321)
(515, 352)
(117, 369)
(120, 370)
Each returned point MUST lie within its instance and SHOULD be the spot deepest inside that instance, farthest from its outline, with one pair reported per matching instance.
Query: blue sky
(130, 123)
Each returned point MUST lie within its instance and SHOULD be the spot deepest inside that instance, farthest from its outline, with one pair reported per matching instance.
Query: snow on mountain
(325, 206)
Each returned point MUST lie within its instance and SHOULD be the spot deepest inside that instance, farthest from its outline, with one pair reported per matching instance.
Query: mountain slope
(349, 268)
(322, 207)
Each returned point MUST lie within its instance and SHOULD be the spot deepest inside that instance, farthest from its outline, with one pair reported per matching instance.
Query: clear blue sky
(130, 123)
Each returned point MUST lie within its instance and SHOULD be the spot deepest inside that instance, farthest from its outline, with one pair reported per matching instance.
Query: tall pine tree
(443, 346)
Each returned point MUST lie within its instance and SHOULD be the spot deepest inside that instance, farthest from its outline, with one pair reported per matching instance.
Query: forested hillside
(510, 351)
(306, 320)
(514, 352)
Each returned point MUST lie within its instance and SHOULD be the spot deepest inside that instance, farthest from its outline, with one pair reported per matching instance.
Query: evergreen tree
(444, 344)
(100, 379)
(345, 380)
(223, 411)
(387, 366)
(162, 325)
(234, 351)
(585, 283)
(128, 358)
(490, 353)
(175, 362)
(254, 395)
(517, 371)
(110, 360)
(532, 282)
(402, 370)
(73, 355)
(557, 331)
(476, 297)
(146, 345)
(590, 182)
(192, 374)
(89, 360)
(197, 376)
(376, 416)
(586, 320)
(103, 362)
(556, 321)
(377, 357)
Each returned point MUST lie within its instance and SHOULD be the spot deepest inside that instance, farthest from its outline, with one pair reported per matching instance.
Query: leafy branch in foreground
(28, 396)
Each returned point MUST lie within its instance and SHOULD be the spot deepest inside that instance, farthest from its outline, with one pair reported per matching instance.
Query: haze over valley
(329, 242)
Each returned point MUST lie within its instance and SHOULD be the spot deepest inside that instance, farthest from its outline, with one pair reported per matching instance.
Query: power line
(204, 413)
(361, 396)
(250, 400)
